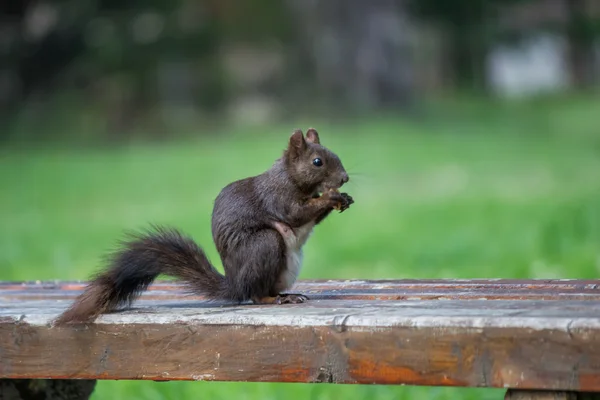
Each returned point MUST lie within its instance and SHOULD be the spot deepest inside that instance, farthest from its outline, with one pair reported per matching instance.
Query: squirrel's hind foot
(288, 298)
(291, 298)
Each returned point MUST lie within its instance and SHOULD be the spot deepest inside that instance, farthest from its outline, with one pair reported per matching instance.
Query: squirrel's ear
(312, 136)
(297, 144)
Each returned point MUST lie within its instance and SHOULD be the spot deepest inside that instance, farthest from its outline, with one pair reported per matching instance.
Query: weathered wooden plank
(571, 284)
(358, 290)
(524, 344)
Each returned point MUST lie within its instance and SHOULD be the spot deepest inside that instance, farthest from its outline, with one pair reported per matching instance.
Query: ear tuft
(312, 136)
(297, 144)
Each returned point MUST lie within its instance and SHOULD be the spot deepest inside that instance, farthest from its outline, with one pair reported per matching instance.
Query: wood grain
(499, 334)
(434, 289)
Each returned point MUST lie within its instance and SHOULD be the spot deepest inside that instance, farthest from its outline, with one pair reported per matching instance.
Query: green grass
(487, 191)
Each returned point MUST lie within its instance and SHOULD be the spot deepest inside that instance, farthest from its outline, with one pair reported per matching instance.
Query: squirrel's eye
(317, 162)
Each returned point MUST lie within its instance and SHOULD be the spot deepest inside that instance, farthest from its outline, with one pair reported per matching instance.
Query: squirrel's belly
(294, 244)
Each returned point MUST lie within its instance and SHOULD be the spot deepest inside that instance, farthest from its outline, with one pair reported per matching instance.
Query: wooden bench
(538, 339)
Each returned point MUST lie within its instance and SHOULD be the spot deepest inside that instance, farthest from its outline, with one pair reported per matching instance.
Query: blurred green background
(470, 130)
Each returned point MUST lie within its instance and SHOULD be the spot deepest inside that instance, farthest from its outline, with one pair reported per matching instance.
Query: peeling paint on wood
(523, 335)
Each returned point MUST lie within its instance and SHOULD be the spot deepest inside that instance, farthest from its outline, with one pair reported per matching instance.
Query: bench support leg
(49, 389)
(515, 394)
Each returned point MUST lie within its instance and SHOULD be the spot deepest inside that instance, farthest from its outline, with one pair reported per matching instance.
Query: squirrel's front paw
(344, 202)
(339, 201)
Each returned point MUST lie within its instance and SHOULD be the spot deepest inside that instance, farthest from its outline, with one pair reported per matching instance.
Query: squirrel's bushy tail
(133, 268)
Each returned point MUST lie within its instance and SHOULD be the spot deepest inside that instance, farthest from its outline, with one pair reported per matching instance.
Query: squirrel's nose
(345, 178)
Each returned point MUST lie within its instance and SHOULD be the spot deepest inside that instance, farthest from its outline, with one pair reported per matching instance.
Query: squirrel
(259, 226)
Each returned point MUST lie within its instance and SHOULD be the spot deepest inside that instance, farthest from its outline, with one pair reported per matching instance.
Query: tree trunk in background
(359, 51)
(581, 43)
(468, 56)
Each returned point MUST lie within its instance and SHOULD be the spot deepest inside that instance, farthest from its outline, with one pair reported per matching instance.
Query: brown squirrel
(259, 225)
